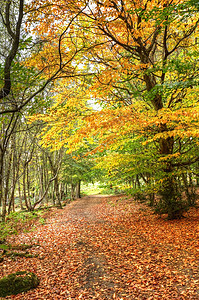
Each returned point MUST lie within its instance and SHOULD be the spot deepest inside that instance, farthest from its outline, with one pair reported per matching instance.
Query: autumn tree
(23, 84)
(144, 59)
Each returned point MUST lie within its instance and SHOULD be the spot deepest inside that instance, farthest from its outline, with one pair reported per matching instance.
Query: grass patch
(98, 188)
(91, 189)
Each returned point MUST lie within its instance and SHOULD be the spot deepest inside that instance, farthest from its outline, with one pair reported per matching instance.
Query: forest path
(94, 266)
(109, 247)
(70, 263)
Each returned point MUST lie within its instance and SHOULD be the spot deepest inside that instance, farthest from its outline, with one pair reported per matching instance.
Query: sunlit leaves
(144, 76)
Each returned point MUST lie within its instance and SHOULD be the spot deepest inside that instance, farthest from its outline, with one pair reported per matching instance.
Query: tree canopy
(136, 60)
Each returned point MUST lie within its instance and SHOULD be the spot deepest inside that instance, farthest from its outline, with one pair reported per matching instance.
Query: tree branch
(15, 45)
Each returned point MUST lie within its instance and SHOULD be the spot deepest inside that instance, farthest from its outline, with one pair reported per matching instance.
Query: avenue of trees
(99, 87)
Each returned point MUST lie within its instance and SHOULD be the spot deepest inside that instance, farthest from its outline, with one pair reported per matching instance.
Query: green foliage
(138, 194)
(108, 189)
(19, 221)
(91, 188)
(174, 206)
(79, 167)
(25, 42)
(42, 221)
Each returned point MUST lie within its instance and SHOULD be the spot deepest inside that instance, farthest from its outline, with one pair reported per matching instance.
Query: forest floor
(109, 247)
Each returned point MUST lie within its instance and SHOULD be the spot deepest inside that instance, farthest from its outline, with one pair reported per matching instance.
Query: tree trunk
(11, 203)
(137, 180)
(171, 202)
(78, 188)
(27, 203)
(58, 202)
(72, 191)
(20, 196)
(7, 182)
(2, 200)
(62, 191)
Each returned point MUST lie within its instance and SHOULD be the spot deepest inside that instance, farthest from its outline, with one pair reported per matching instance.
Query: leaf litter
(110, 248)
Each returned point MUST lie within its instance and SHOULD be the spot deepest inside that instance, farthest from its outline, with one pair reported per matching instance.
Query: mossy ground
(18, 282)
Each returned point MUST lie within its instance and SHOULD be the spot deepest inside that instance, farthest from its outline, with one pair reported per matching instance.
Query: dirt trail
(68, 264)
(94, 265)
(86, 207)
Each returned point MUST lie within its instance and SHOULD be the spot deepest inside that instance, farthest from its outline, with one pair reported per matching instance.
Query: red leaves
(94, 250)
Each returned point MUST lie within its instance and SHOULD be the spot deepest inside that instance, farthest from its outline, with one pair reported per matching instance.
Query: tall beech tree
(145, 58)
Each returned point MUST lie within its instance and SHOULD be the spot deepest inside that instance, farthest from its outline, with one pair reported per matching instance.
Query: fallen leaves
(97, 249)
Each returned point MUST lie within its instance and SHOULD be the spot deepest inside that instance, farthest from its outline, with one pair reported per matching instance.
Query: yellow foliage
(123, 53)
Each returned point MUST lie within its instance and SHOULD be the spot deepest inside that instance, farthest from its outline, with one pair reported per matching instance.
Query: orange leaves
(127, 56)
(117, 251)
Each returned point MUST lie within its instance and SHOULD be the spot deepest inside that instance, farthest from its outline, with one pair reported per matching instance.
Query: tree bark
(78, 189)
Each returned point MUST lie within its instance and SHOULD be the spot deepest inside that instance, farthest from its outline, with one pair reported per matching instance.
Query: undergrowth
(22, 221)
